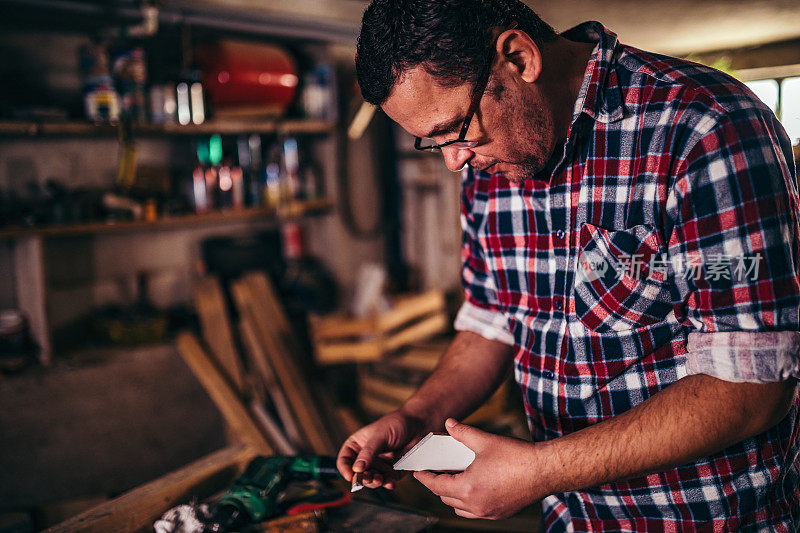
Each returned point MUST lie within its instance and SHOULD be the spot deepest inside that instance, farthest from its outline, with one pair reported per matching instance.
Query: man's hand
(498, 483)
(374, 448)
(467, 374)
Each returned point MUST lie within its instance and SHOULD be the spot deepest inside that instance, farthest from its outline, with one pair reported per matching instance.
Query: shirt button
(559, 304)
(560, 234)
(549, 374)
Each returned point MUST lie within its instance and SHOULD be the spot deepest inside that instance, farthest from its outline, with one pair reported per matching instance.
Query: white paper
(437, 452)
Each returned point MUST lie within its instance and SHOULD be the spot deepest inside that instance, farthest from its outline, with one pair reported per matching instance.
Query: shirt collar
(600, 96)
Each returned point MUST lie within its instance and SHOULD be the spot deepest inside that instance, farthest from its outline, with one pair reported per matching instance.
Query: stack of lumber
(342, 339)
(254, 360)
(267, 403)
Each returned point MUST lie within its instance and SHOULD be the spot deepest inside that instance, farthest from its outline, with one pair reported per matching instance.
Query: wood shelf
(289, 212)
(224, 127)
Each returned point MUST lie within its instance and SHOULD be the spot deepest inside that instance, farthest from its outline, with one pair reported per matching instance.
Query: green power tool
(253, 497)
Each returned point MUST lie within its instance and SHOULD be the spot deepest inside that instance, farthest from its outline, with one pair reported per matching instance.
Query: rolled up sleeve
(488, 324)
(735, 241)
(745, 356)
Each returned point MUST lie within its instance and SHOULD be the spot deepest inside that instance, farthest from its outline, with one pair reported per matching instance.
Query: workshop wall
(92, 271)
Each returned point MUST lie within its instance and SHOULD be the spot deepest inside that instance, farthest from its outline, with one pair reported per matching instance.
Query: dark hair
(450, 38)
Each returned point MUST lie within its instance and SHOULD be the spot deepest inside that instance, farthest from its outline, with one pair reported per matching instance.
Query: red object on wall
(247, 76)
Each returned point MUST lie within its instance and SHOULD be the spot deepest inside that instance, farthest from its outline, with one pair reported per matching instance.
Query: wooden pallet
(379, 397)
(339, 339)
(386, 385)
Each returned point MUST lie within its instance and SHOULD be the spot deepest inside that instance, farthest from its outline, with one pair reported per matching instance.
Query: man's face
(513, 127)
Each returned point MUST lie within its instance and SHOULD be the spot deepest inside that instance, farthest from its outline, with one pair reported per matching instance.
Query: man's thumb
(467, 435)
(365, 455)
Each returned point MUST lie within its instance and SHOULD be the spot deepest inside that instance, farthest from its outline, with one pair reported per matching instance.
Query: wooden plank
(141, 507)
(341, 326)
(412, 319)
(408, 308)
(251, 215)
(234, 126)
(326, 435)
(418, 359)
(384, 389)
(422, 330)
(31, 291)
(230, 406)
(405, 309)
(17, 128)
(84, 129)
(348, 352)
(377, 407)
(494, 407)
(271, 429)
(349, 420)
(264, 293)
(258, 362)
(217, 333)
(54, 513)
(256, 301)
(259, 306)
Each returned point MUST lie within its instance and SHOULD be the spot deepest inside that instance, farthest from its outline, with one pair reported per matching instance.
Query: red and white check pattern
(674, 164)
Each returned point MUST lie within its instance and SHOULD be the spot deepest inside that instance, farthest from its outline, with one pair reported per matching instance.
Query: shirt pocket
(621, 279)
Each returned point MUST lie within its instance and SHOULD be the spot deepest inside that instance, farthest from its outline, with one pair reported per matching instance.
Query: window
(790, 107)
(767, 91)
(782, 95)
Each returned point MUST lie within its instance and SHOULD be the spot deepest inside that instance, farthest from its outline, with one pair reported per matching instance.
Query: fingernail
(359, 465)
(450, 422)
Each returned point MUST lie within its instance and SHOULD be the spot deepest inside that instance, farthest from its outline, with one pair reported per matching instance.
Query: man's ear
(517, 51)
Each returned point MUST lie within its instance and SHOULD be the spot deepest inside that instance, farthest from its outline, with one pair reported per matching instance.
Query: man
(630, 248)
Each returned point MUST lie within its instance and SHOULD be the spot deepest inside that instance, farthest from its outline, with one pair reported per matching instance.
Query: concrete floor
(100, 424)
(109, 420)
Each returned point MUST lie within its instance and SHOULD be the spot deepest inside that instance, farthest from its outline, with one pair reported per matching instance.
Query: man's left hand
(498, 483)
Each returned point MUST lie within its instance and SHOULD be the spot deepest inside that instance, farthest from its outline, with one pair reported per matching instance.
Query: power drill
(253, 497)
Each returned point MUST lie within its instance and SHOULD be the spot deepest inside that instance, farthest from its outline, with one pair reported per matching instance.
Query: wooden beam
(217, 332)
(265, 296)
(260, 364)
(417, 332)
(411, 319)
(409, 308)
(138, 509)
(230, 406)
(271, 428)
(349, 352)
(257, 303)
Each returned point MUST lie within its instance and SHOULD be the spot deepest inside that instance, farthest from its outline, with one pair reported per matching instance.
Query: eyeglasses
(480, 88)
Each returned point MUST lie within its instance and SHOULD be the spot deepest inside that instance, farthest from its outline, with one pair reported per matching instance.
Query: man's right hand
(373, 449)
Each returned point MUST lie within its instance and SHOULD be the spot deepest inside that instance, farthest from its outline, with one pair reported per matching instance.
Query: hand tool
(253, 497)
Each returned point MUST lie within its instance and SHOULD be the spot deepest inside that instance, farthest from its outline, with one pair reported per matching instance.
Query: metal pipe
(250, 22)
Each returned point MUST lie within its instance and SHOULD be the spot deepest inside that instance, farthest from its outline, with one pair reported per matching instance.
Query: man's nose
(456, 158)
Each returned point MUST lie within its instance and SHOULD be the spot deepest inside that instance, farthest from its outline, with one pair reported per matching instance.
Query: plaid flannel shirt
(663, 242)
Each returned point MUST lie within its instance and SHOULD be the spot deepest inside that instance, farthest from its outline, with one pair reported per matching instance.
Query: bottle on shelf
(101, 101)
(248, 151)
(130, 75)
(291, 166)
